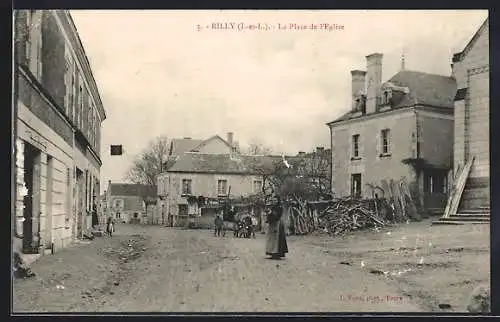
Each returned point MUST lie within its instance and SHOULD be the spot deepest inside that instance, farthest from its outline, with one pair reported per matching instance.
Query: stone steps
(466, 216)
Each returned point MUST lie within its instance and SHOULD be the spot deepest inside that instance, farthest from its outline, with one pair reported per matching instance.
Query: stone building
(128, 201)
(58, 116)
(471, 69)
(406, 120)
(212, 176)
(213, 145)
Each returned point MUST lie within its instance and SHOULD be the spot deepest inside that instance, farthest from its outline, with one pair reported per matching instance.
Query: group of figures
(276, 244)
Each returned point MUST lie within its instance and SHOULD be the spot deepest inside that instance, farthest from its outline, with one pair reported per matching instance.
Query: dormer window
(387, 97)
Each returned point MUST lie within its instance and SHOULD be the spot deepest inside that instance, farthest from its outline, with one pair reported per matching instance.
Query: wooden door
(31, 213)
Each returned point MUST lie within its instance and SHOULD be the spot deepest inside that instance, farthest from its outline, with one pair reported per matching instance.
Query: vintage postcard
(251, 161)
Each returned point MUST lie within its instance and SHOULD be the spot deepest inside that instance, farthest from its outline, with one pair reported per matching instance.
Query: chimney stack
(374, 81)
(230, 137)
(358, 85)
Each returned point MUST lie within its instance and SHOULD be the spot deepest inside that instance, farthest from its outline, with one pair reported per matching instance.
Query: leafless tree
(256, 147)
(297, 180)
(150, 162)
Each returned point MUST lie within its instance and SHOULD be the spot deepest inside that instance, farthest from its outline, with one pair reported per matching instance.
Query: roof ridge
(420, 72)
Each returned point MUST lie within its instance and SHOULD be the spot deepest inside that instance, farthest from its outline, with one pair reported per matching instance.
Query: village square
(206, 208)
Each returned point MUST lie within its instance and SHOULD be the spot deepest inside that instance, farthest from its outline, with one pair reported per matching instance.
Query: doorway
(356, 185)
(79, 201)
(48, 201)
(31, 212)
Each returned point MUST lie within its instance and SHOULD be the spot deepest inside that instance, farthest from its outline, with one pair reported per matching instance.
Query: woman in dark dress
(276, 245)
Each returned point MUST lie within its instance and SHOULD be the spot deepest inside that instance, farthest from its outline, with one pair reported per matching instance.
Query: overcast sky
(159, 75)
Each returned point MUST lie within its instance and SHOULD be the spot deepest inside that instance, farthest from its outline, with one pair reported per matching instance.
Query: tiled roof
(425, 89)
(132, 189)
(224, 163)
(204, 142)
(179, 146)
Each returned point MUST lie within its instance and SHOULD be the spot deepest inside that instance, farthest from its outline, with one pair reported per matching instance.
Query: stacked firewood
(348, 214)
(302, 220)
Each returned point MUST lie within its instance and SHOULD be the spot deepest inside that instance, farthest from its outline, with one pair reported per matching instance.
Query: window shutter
(66, 86)
(361, 147)
(28, 36)
(351, 146)
(391, 144)
(378, 143)
(39, 49)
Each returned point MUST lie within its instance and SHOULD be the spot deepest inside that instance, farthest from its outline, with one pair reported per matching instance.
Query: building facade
(212, 145)
(472, 118)
(390, 126)
(211, 176)
(58, 116)
(126, 202)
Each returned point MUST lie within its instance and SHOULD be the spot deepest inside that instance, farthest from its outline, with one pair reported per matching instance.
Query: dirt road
(165, 269)
(147, 268)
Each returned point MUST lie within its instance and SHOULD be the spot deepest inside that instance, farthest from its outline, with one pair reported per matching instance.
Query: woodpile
(391, 203)
(348, 214)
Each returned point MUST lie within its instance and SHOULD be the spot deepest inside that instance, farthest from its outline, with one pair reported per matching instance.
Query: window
(387, 98)
(183, 210)
(355, 146)
(89, 121)
(222, 187)
(356, 185)
(186, 187)
(79, 105)
(385, 136)
(34, 42)
(69, 80)
(257, 186)
(435, 181)
(29, 23)
(94, 125)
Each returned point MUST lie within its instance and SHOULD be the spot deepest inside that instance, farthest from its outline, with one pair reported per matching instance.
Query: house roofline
(221, 172)
(444, 110)
(457, 57)
(204, 142)
(80, 50)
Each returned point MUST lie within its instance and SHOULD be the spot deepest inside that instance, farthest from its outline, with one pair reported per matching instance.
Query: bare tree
(297, 180)
(150, 162)
(256, 147)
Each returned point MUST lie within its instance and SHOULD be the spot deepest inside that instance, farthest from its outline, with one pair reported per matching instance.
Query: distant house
(195, 175)
(472, 115)
(126, 201)
(408, 118)
(212, 145)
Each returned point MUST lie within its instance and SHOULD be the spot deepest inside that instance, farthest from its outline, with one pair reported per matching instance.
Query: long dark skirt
(276, 245)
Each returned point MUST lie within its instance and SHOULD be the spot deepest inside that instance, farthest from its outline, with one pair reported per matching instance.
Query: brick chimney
(230, 138)
(358, 85)
(374, 81)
